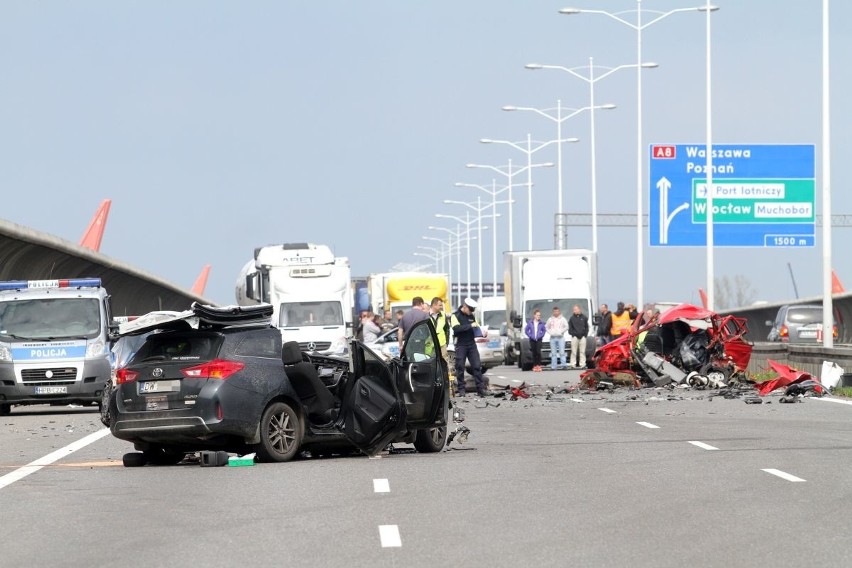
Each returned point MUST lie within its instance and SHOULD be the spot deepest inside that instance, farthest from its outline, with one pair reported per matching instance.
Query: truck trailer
(543, 279)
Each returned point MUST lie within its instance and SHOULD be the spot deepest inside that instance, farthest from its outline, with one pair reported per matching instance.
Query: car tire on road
(5, 409)
(160, 455)
(134, 459)
(103, 405)
(432, 440)
(280, 433)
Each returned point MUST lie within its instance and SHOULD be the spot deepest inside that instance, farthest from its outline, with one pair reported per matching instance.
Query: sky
(217, 126)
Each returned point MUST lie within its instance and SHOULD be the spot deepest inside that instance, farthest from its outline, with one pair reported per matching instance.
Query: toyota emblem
(158, 372)
(312, 346)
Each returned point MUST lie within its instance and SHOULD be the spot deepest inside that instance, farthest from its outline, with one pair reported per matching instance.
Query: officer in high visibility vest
(620, 321)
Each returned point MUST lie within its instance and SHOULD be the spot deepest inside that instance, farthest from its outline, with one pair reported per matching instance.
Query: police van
(54, 342)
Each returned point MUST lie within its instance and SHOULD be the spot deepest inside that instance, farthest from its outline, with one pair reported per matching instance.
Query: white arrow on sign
(663, 184)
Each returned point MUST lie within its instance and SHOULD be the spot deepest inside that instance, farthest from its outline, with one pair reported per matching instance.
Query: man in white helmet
(465, 331)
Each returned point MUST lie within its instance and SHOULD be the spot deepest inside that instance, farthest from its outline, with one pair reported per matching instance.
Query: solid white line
(36, 465)
(828, 399)
(389, 535)
(647, 425)
(704, 446)
(607, 410)
(784, 475)
(381, 486)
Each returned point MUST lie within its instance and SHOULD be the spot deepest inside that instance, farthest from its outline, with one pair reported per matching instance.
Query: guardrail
(807, 358)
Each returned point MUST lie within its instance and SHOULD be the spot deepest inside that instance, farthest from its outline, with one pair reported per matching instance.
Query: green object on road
(241, 461)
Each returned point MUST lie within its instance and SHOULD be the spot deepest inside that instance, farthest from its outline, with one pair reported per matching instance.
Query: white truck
(542, 279)
(310, 291)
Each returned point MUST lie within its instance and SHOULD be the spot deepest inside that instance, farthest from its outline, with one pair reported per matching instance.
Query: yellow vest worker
(620, 321)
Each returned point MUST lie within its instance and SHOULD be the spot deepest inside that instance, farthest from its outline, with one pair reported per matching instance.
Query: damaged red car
(684, 344)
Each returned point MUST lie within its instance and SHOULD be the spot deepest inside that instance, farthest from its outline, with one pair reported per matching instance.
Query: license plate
(51, 390)
(810, 334)
(156, 403)
(159, 386)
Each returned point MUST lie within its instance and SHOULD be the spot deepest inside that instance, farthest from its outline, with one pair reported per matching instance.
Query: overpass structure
(27, 254)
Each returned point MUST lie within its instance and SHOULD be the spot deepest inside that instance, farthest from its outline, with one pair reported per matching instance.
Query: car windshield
(50, 318)
(293, 314)
(178, 347)
(494, 318)
(804, 315)
(565, 305)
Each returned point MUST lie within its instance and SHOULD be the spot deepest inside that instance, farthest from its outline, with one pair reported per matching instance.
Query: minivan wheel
(103, 405)
(432, 440)
(280, 433)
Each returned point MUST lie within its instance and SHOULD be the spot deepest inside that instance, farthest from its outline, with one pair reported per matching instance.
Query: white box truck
(542, 279)
(310, 291)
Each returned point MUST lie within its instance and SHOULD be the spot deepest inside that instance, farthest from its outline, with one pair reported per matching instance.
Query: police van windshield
(50, 318)
(294, 314)
(565, 305)
(494, 318)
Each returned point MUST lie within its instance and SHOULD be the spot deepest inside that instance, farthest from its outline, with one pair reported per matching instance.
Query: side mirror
(769, 323)
(112, 332)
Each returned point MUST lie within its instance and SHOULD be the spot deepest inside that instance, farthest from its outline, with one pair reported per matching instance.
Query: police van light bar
(42, 284)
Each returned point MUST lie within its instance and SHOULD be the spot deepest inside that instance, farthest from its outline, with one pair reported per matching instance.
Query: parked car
(220, 378)
(490, 348)
(797, 324)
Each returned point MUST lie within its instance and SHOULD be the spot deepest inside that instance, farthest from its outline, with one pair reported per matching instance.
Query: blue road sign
(763, 195)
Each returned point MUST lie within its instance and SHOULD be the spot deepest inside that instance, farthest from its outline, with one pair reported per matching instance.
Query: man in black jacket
(605, 327)
(464, 333)
(578, 329)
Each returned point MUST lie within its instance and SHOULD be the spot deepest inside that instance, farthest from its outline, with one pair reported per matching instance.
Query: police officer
(464, 332)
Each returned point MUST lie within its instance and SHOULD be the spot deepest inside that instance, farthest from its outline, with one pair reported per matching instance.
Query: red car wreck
(684, 344)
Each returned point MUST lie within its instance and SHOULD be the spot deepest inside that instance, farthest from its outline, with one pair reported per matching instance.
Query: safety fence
(807, 358)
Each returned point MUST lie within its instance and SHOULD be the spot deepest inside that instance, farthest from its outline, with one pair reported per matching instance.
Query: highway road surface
(626, 479)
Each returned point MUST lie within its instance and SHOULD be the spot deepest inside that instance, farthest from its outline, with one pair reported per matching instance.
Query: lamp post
(638, 27)
(457, 235)
(529, 151)
(509, 173)
(559, 119)
(493, 192)
(478, 208)
(448, 242)
(467, 222)
(432, 257)
(437, 254)
(827, 300)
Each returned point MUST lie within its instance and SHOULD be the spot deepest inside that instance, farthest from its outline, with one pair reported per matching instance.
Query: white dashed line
(381, 486)
(784, 475)
(837, 400)
(390, 536)
(704, 446)
(607, 410)
(500, 377)
(36, 465)
(647, 425)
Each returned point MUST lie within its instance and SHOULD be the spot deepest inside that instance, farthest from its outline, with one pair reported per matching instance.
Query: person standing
(415, 314)
(556, 326)
(464, 326)
(370, 331)
(535, 332)
(578, 329)
(442, 329)
(604, 333)
(620, 321)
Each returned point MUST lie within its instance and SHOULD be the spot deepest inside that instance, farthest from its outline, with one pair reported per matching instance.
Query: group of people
(557, 327)
(614, 324)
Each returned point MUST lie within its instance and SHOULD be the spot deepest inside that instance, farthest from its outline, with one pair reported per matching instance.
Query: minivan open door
(420, 377)
(372, 413)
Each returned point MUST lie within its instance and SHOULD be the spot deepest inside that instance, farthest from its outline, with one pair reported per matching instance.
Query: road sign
(763, 195)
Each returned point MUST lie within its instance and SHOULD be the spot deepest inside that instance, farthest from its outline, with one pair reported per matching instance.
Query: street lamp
(493, 192)
(591, 80)
(457, 235)
(432, 257)
(638, 27)
(529, 151)
(438, 255)
(509, 173)
(479, 208)
(559, 119)
(448, 242)
(467, 222)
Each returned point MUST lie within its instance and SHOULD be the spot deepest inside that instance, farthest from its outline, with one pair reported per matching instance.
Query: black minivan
(220, 378)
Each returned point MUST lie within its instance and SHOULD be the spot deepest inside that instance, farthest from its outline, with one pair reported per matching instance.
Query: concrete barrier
(757, 316)
(808, 358)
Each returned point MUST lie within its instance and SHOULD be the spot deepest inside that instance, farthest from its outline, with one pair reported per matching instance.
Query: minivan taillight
(783, 332)
(125, 376)
(215, 369)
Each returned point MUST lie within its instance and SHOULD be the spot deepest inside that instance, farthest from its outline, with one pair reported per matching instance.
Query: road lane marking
(704, 446)
(381, 486)
(837, 400)
(36, 465)
(784, 475)
(500, 377)
(607, 410)
(647, 425)
(389, 534)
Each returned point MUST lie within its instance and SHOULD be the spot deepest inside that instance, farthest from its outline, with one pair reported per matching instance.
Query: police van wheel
(5, 409)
